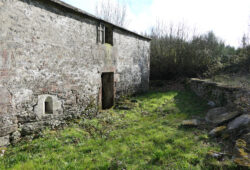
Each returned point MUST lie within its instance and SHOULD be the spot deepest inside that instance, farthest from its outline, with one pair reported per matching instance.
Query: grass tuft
(146, 137)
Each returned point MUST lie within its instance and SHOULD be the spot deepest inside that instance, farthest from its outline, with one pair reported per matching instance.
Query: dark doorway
(107, 90)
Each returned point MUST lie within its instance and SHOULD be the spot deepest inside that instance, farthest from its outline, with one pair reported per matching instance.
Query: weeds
(147, 136)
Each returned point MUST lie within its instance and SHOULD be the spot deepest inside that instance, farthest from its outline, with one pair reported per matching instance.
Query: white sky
(229, 19)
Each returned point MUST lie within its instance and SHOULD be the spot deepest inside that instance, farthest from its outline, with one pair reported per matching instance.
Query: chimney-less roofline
(79, 11)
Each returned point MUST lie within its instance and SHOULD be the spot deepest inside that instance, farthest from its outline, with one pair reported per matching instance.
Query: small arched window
(48, 105)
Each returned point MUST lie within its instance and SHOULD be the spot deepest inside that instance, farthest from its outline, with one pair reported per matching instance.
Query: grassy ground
(148, 136)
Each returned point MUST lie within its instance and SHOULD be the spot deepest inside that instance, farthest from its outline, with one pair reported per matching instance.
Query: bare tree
(113, 11)
(244, 41)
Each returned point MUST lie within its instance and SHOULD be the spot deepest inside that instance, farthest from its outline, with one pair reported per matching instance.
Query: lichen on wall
(47, 51)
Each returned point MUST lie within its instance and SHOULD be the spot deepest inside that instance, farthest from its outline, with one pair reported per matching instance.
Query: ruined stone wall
(47, 51)
(228, 119)
(232, 97)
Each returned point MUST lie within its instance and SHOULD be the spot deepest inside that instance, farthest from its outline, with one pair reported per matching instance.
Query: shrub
(174, 54)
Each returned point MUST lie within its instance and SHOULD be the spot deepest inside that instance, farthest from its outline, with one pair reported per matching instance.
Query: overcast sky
(229, 19)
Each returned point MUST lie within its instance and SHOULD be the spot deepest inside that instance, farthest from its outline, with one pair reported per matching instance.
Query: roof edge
(77, 10)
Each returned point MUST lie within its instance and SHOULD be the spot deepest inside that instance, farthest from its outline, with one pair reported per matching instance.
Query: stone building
(58, 62)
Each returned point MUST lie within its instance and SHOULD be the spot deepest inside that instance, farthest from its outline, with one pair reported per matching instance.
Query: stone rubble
(217, 131)
(2, 151)
(191, 123)
(220, 115)
(232, 114)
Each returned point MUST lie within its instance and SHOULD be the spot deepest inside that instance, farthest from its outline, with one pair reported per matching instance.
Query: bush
(174, 55)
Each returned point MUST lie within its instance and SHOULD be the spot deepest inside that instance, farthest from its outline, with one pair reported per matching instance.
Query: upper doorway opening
(105, 34)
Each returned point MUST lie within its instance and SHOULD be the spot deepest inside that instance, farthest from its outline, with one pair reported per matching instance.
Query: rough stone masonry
(58, 62)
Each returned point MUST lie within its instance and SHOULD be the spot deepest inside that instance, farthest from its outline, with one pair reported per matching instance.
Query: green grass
(148, 136)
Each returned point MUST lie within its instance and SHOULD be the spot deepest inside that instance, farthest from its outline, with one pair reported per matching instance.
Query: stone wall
(221, 95)
(47, 50)
(229, 118)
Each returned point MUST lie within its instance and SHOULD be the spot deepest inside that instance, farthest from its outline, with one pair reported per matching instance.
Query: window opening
(48, 105)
